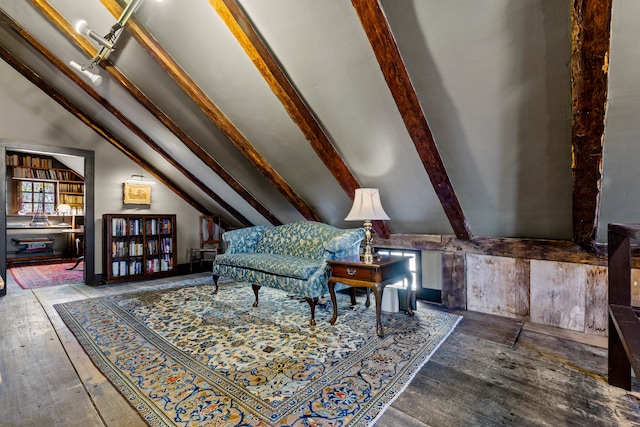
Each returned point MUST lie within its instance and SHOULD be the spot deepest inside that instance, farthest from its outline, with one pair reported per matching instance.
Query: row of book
(71, 200)
(134, 267)
(29, 161)
(133, 226)
(52, 174)
(163, 246)
(126, 268)
(66, 187)
(163, 225)
(156, 265)
(123, 249)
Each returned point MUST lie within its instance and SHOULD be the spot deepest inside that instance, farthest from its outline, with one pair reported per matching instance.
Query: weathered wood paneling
(635, 287)
(494, 285)
(558, 294)
(596, 308)
(454, 293)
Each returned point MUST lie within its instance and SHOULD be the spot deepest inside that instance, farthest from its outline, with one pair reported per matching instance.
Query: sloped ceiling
(281, 117)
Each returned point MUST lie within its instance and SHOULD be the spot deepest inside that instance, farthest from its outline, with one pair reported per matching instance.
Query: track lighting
(108, 42)
(96, 79)
(83, 28)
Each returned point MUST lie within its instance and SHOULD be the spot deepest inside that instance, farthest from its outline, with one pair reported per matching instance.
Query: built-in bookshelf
(34, 174)
(139, 247)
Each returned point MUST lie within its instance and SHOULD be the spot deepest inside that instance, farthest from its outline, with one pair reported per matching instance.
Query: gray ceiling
(492, 77)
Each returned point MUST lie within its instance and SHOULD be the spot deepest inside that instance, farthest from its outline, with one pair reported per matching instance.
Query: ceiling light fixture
(108, 42)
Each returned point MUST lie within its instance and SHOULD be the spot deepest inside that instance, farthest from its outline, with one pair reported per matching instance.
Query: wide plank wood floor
(478, 377)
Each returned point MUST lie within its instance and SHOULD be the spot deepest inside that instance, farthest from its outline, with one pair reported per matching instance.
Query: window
(414, 264)
(36, 196)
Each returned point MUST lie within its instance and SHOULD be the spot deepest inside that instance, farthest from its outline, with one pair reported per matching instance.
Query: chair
(210, 232)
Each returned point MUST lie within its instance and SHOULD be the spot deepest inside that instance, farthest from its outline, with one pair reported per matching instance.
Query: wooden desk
(375, 276)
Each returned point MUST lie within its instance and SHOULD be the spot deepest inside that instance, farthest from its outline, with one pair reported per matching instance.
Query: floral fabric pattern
(243, 240)
(291, 257)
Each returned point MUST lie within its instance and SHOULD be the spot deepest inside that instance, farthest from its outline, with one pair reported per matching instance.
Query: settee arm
(243, 240)
(344, 245)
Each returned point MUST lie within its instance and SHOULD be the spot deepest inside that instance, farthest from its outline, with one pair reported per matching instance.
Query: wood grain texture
(541, 249)
(384, 47)
(596, 297)
(474, 378)
(522, 288)
(210, 109)
(591, 34)
(67, 29)
(491, 286)
(454, 294)
(635, 287)
(558, 292)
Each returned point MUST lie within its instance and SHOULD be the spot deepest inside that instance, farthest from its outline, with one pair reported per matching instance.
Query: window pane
(49, 208)
(27, 207)
(50, 197)
(25, 186)
(37, 186)
(49, 187)
(27, 197)
(37, 197)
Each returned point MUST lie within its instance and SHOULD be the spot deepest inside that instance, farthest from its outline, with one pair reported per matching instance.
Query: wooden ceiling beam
(34, 78)
(80, 82)
(67, 29)
(242, 28)
(395, 73)
(590, 44)
(186, 83)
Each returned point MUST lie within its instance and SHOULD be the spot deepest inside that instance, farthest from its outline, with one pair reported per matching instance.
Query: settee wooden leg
(312, 303)
(256, 288)
(215, 282)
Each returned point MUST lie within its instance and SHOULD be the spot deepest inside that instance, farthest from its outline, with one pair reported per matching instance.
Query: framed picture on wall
(137, 194)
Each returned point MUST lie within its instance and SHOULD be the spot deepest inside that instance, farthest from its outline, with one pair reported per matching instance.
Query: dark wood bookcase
(138, 247)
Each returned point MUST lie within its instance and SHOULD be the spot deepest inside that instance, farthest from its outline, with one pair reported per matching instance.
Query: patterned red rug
(42, 276)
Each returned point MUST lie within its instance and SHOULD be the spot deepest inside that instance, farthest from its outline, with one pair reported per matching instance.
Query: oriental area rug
(46, 275)
(184, 356)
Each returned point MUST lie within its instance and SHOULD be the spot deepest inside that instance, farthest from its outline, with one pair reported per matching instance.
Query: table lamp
(367, 207)
(63, 208)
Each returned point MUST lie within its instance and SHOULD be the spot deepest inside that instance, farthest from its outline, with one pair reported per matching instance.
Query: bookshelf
(139, 247)
(62, 184)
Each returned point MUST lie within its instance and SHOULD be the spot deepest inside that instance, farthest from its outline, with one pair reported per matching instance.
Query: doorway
(87, 161)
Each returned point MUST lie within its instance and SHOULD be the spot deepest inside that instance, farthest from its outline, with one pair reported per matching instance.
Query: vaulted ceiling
(473, 118)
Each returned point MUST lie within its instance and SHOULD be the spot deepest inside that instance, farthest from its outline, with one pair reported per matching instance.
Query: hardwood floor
(478, 377)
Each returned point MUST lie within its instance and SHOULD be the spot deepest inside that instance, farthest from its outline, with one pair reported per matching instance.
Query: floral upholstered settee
(292, 257)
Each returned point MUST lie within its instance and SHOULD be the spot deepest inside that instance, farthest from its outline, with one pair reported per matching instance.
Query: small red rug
(42, 276)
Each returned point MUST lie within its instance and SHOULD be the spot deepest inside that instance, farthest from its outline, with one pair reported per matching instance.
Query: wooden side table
(375, 276)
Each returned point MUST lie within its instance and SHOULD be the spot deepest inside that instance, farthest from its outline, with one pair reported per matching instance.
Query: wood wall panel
(558, 294)
(596, 307)
(454, 294)
(522, 289)
(635, 287)
(493, 286)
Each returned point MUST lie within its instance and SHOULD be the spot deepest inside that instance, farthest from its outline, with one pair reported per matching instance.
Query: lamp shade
(366, 206)
(63, 208)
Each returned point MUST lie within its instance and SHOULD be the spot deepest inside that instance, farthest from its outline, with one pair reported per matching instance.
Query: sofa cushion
(306, 239)
(243, 239)
(281, 265)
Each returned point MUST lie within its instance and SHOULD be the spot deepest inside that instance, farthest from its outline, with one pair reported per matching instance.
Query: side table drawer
(354, 273)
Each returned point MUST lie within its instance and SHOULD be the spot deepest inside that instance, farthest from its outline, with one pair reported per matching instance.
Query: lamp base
(368, 254)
